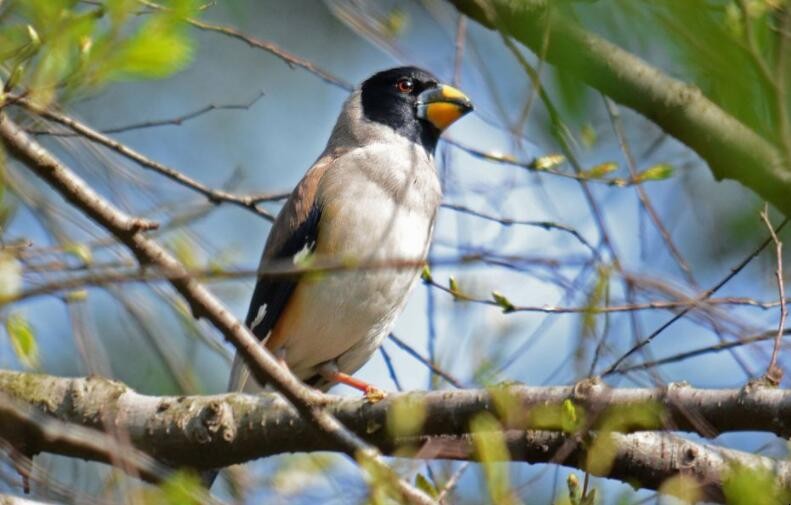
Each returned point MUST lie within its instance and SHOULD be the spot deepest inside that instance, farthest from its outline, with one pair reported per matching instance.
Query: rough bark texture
(215, 431)
(732, 150)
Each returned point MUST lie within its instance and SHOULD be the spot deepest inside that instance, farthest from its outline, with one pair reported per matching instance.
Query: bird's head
(412, 102)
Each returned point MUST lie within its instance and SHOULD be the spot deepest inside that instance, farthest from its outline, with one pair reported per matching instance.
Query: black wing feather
(275, 291)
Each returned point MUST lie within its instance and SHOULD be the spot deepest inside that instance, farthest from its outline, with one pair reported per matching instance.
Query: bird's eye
(405, 85)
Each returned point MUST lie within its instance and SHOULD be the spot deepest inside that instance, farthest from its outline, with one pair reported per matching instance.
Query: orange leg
(352, 382)
(371, 392)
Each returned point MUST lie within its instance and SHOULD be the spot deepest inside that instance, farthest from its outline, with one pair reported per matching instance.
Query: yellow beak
(442, 106)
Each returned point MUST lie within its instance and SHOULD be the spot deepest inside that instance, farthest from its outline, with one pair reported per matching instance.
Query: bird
(371, 197)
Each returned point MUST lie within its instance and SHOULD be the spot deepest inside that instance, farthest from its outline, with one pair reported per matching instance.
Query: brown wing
(294, 230)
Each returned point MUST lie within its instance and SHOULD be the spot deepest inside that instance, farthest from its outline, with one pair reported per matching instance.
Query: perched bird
(372, 196)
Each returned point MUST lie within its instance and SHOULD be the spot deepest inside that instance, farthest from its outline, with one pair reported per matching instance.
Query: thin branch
(213, 195)
(645, 201)
(774, 373)
(542, 164)
(451, 483)
(704, 296)
(547, 225)
(175, 121)
(290, 59)
(709, 349)
(434, 368)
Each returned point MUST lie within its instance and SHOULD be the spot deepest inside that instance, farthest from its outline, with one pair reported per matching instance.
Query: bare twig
(290, 59)
(704, 296)
(645, 201)
(451, 483)
(721, 346)
(213, 195)
(774, 373)
(434, 368)
(547, 225)
(175, 121)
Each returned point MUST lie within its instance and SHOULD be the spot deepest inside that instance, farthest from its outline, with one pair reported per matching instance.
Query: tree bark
(215, 431)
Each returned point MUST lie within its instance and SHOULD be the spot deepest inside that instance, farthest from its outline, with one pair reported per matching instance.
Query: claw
(373, 394)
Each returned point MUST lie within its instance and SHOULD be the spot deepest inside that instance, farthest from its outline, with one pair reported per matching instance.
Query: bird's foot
(372, 393)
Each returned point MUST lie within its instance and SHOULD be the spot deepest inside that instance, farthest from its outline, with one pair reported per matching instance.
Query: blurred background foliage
(117, 63)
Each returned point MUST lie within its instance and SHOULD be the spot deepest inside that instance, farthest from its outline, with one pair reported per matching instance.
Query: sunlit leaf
(492, 452)
(453, 287)
(601, 454)
(23, 339)
(600, 170)
(588, 135)
(80, 251)
(77, 296)
(395, 22)
(656, 173)
(503, 302)
(406, 416)
(160, 48)
(575, 491)
(683, 487)
(744, 485)
(185, 251)
(10, 276)
(547, 162)
(422, 483)
(425, 274)
(180, 488)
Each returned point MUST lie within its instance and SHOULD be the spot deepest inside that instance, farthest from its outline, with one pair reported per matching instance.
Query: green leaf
(76, 296)
(183, 488)
(23, 339)
(425, 274)
(491, 450)
(160, 48)
(120, 10)
(683, 487)
(547, 162)
(422, 483)
(503, 302)
(453, 286)
(80, 251)
(588, 135)
(184, 250)
(575, 493)
(600, 170)
(406, 416)
(744, 485)
(574, 96)
(395, 22)
(658, 172)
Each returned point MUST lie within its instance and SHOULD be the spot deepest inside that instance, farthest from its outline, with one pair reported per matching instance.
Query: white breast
(378, 205)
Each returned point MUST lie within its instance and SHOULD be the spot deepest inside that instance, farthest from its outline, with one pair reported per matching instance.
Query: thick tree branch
(732, 150)
(211, 431)
(263, 366)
